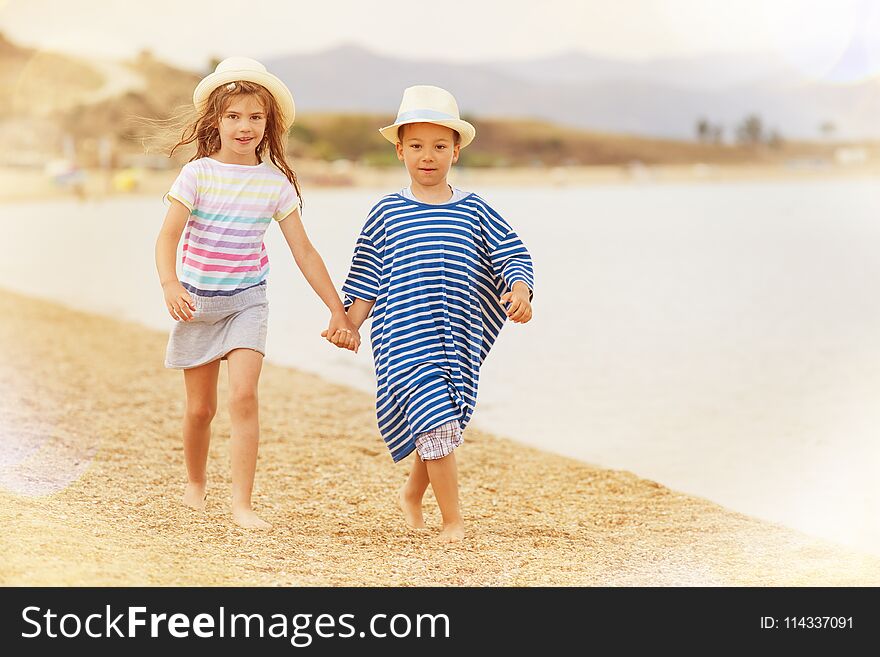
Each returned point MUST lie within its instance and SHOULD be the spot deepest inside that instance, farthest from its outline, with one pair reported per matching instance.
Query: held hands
(342, 332)
(178, 301)
(519, 309)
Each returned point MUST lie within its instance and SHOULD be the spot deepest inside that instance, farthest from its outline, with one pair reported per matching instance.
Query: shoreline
(93, 465)
(32, 184)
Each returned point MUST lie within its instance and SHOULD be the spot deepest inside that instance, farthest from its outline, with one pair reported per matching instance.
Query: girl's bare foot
(452, 533)
(248, 519)
(412, 509)
(194, 496)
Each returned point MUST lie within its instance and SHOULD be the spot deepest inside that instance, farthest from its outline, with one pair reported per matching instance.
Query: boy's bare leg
(244, 374)
(443, 474)
(201, 405)
(410, 496)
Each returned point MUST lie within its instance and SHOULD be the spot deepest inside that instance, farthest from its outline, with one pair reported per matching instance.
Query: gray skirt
(219, 325)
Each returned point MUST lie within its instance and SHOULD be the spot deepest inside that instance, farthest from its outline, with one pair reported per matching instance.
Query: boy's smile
(428, 150)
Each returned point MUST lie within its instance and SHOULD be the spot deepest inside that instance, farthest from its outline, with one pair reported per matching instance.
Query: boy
(436, 267)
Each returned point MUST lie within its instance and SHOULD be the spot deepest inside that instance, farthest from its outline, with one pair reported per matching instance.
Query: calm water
(723, 339)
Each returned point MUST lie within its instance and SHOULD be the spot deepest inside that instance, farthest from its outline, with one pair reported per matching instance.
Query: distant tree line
(751, 131)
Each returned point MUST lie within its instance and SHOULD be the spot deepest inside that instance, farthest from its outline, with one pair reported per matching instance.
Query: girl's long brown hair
(204, 133)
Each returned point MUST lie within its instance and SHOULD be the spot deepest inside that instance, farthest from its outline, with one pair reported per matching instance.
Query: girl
(225, 198)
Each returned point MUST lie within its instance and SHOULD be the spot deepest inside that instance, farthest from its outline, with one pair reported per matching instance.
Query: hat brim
(275, 86)
(466, 131)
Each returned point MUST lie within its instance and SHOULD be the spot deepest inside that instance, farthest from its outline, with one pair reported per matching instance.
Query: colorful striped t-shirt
(231, 206)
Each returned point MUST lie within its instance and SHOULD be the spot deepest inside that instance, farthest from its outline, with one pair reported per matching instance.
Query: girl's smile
(241, 126)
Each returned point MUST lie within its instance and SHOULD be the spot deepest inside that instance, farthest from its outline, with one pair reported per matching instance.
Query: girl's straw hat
(233, 69)
(427, 104)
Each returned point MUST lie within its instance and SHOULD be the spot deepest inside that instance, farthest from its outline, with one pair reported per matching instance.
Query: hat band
(428, 115)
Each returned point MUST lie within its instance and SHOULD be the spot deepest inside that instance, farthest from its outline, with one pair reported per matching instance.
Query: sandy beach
(87, 399)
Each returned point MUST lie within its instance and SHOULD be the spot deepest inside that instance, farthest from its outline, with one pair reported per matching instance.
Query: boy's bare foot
(194, 496)
(248, 519)
(412, 509)
(452, 533)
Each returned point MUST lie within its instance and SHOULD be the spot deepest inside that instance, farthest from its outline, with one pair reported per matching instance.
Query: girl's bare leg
(244, 374)
(201, 406)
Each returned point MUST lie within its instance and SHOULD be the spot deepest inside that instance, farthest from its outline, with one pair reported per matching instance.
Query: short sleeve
(512, 263)
(288, 201)
(185, 187)
(509, 258)
(365, 273)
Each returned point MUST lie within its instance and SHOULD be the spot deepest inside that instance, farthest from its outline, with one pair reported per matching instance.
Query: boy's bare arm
(359, 311)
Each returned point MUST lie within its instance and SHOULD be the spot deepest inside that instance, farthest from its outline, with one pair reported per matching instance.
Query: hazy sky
(189, 32)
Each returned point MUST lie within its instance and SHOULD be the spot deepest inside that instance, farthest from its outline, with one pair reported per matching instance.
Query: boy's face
(428, 151)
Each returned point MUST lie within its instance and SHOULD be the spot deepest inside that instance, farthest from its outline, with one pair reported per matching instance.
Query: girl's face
(428, 150)
(242, 125)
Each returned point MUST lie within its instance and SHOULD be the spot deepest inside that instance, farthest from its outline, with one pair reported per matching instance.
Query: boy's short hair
(456, 138)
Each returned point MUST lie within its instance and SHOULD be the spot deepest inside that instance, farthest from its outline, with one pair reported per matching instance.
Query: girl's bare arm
(177, 300)
(314, 270)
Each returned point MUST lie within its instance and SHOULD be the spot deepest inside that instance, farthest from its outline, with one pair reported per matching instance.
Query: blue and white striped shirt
(436, 273)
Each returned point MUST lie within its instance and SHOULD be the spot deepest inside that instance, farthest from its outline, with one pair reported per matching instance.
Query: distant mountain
(711, 72)
(662, 98)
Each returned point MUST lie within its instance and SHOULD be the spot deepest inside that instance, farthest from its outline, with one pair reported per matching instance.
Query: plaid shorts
(439, 442)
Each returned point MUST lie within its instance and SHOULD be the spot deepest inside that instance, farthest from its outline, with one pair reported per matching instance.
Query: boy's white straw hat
(426, 104)
(233, 69)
